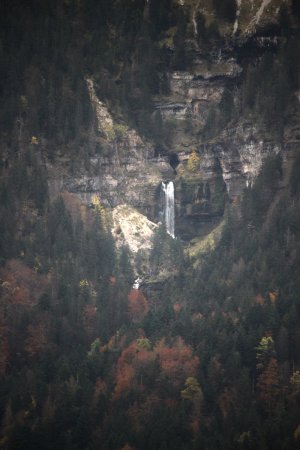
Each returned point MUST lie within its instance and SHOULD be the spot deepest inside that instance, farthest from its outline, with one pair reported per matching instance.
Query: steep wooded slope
(100, 102)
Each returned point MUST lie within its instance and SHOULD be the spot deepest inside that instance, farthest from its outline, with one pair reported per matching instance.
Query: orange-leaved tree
(135, 362)
(268, 383)
(38, 337)
(137, 305)
(176, 361)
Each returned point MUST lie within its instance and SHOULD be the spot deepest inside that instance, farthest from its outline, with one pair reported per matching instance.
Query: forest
(210, 359)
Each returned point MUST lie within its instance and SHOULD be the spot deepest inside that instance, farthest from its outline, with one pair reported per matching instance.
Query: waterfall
(195, 24)
(137, 283)
(169, 207)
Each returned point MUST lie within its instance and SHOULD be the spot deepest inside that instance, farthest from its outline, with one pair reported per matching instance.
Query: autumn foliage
(176, 361)
(37, 339)
(4, 350)
(89, 319)
(21, 288)
(173, 362)
(21, 285)
(127, 447)
(86, 361)
(137, 305)
(268, 384)
(132, 362)
(227, 401)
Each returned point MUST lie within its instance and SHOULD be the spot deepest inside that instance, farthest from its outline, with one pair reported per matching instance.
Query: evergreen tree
(225, 9)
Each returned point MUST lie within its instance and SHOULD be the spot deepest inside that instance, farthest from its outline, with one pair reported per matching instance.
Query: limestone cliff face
(124, 172)
(241, 152)
(127, 169)
(193, 93)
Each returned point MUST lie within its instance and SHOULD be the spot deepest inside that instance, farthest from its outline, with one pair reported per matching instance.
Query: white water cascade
(169, 207)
